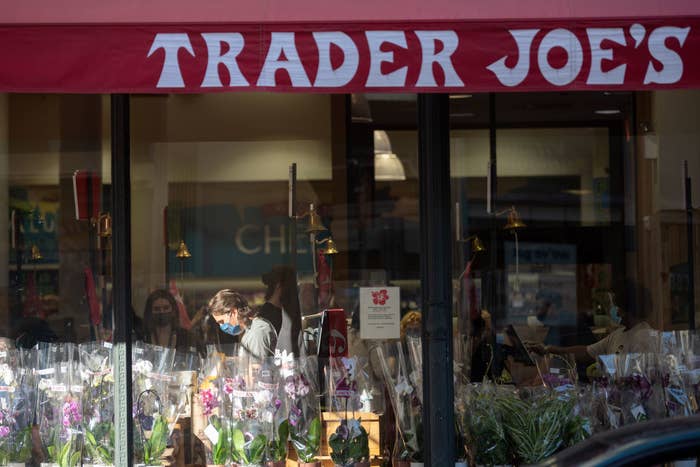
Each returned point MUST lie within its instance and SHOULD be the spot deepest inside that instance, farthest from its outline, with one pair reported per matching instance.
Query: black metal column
(121, 264)
(436, 279)
(691, 246)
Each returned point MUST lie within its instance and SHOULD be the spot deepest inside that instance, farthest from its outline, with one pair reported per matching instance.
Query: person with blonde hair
(235, 317)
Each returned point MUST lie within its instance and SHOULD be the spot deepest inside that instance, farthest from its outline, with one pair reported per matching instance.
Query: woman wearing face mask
(161, 325)
(236, 318)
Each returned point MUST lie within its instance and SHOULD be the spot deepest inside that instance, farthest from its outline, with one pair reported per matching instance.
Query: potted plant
(248, 450)
(306, 442)
(97, 378)
(350, 445)
(278, 446)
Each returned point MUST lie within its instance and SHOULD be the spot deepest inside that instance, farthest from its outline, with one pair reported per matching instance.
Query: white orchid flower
(350, 364)
(262, 397)
(402, 388)
(285, 361)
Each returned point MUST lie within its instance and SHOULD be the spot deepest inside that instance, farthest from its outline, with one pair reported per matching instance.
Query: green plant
(249, 452)
(65, 454)
(349, 443)
(307, 444)
(278, 445)
(94, 438)
(155, 444)
(221, 450)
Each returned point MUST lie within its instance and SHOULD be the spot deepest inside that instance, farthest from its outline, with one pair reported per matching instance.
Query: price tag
(212, 434)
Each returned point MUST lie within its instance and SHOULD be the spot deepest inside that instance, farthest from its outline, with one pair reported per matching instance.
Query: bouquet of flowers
(154, 417)
(97, 377)
(15, 407)
(304, 418)
(59, 408)
(349, 444)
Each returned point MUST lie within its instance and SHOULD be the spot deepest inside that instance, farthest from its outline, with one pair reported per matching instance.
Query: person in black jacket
(281, 307)
(161, 324)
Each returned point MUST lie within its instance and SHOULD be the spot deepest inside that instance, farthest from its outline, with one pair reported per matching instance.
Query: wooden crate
(330, 422)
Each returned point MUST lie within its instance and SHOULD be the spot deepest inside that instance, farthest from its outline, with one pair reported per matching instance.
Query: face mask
(614, 315)
(229, 328)
(162, 319)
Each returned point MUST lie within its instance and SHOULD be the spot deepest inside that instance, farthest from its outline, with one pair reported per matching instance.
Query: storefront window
(211, 219)
(56, 246)
(561, 209)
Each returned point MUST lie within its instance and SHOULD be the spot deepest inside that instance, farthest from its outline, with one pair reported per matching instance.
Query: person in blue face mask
(235, 317)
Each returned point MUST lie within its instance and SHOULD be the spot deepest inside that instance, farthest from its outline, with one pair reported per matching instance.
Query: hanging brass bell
(182, 251)
(477, 245)
(514, 221)
(315, 224)
(330, 247)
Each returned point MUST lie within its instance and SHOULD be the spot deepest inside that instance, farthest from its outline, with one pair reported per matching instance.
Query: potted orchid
(217, 431)
(60, 413)
(255, 405)
(304, 419)
(349, 444)
(98, 407)
(154, 417)
(15, 423)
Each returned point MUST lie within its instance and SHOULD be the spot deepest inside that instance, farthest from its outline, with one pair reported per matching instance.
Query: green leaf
(238, 439)
(315, 430)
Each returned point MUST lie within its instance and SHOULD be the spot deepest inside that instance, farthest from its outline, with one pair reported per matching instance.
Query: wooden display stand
(330, 422)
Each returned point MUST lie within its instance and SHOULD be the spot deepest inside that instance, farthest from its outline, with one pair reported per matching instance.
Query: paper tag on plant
(212, 434)
(638, 412)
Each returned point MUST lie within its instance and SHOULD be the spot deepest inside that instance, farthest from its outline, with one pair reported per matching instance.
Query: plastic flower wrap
(301, 390)
(154, 416)
(59, 409)
(404, 400)
(639, 390)
(349, 443)
(558, 372)
(16, 409)
(212, 391)
(97, 375)
(254, 385)
(279, 444)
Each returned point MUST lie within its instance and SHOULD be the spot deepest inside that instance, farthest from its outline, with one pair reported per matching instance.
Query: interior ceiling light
(608, 111)
(460, 96)
(387, 165)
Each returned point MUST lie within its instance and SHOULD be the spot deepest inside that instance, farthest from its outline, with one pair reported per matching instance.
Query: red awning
(164, 46)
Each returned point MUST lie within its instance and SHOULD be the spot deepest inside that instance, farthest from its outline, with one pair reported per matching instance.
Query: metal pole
(293, 216)
(436, 279)
(491, 288)
(121, 264)
(691, 246)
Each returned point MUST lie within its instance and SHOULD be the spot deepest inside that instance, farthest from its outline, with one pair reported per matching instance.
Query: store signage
(380, 316)
(442, 57)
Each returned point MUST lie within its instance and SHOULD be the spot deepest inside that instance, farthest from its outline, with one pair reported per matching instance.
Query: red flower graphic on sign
(380, 297)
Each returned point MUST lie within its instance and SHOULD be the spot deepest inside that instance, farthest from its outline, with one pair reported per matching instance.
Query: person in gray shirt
(235, 317)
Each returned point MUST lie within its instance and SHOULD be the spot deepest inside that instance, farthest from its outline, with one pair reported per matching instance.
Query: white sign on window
(380, 314)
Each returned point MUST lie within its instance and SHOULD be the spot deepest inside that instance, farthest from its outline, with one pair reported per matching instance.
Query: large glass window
(572, 257)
